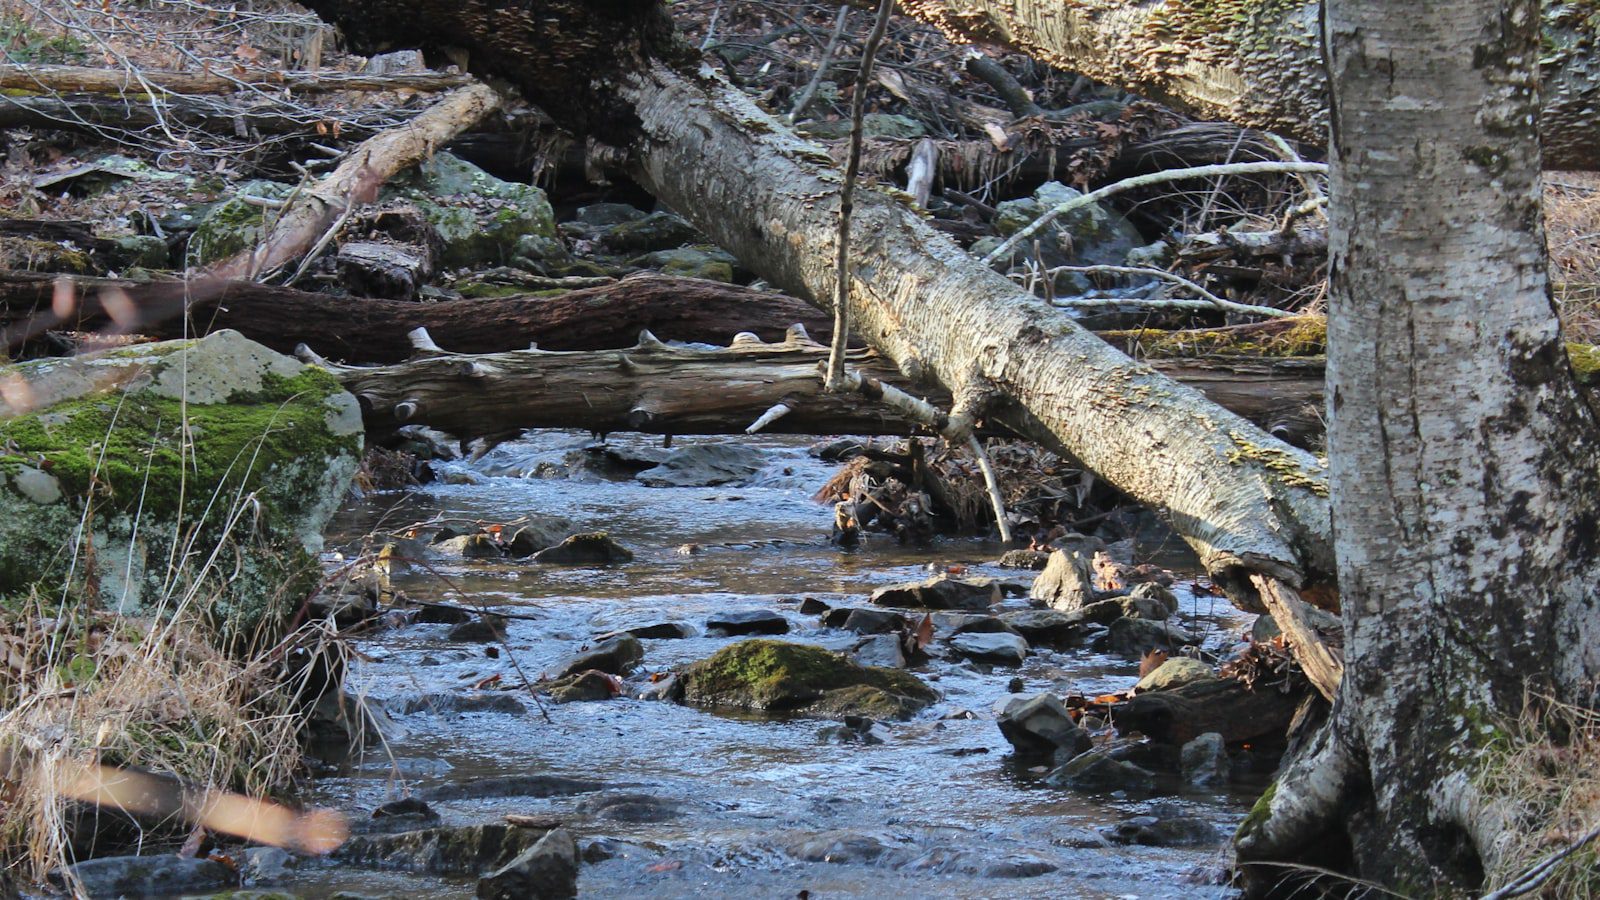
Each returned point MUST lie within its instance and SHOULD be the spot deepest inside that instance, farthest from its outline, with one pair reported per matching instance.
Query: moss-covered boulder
(777, 676)
(197, 472)
(481, 219)
(236, 224)
(1089, 236)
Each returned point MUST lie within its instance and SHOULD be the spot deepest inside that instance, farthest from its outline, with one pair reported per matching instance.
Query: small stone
(264, 865)
(749, 622)
(1150, 590)
(633, 808)
(617, 656)
(408, 807)
(1205, 761)
(657, 631)
(991, 647)
(38, 486)
(940, 592)
(1097, 771)
(1144, 608)
(1024, 559)
(141, 876)
(1165, 831)
(471, 546)
(1040, 726)
(1133, 638)
(1175, 672)
(482, 630)
(592, 549)
(873, 621)
(881, 650)
(470, 702)
(1264, 629)
(1045, 627)
(585, 687)
(811, 606)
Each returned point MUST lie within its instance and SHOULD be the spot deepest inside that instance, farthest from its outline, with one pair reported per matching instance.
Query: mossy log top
(778, 676)
(199, 471)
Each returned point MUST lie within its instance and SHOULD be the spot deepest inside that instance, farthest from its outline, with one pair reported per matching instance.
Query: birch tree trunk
(1253, 63)
(1466, 489)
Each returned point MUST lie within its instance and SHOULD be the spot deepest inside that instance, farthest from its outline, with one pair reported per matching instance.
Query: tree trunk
(1466, 489)
(1254, 64)
(1246, 502)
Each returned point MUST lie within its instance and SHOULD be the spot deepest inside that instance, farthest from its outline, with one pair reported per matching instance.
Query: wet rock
(704, 465)
(1143, 608)
(1133, 638)
(1162, 594)
(873, 621)
(837, 450)
(982, 625)
(839, 847)
(482, 630)
(1174, 673)
(145, 876)
(470, 546)
(754, 621)
(463, 850)
(883, 650)
(546, 871)
(666, 688)
(608, 214)
(440, 615)
(585, 687)
(1204, 760)
(542, 533)
(265, 865)
(1066, 584)
(940, 592)
(634, 808)
(409, 808)
(595, 548)
(1097, 771)
(514, 786)
(1165, 831)
(658, 631)
(1045, 627)
(1016, 865)
(470, 702)
(998, 647)
(811, 606)
(779, 676)
(1024, 559)
(659, 230)
(1101, 612)
(617, 656)
(1041, 725)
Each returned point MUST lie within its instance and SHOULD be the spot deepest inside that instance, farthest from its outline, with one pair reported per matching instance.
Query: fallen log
(374, 331)
(145, 83)
(653, 388)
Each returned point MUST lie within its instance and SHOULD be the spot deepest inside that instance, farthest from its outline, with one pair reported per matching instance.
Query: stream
(716, 804)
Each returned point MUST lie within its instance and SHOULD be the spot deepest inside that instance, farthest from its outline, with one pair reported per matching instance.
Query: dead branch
(87, 80)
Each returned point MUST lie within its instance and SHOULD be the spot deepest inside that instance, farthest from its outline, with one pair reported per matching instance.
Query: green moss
(1585, 362)
(1287, 465)
(778, 676)
(1301, 336)
(1259, 813)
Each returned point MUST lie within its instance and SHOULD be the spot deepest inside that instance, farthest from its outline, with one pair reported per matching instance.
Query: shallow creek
(755, 806)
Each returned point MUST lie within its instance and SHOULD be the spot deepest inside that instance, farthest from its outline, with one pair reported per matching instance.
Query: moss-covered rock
(659, 230)
(481, 219)
(1089, 236)
(873, 125)
(703, 261)
(777, 676)
(194, 471)
(236, 224)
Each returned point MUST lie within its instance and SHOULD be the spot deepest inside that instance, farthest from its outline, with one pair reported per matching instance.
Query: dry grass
(1572, 227)
(1548, 766)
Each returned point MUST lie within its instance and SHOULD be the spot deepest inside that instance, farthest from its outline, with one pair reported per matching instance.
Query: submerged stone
(546, 871)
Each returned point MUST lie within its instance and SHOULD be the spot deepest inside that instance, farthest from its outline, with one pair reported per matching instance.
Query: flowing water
(746, 806)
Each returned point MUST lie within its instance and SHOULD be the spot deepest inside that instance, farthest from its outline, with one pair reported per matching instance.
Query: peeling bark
(1253, 63)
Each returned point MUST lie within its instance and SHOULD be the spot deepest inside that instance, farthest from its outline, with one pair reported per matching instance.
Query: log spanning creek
(672, 800)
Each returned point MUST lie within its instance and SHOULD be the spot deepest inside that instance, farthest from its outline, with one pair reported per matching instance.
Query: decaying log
(95, 113)
(1222, 705)
(313, 212)
(1316, 650)
(649, 387)
(390, 271)
(685, 309)
(144, 83)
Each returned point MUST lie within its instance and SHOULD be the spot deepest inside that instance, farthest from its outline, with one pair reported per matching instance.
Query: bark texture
(1466, 486)
(1257, 63)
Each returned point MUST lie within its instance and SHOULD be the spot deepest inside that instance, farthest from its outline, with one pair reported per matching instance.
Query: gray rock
(1204, 760)
(1133, 638)
(1088, 236)
(983, 625)
(1144, 608)
(707, 262)
(839, 847)
(1175, 672)
(881, 650)
(655, 631)
(1066, 584)
(514, 786)
(469, 702)
(482, 630)
(873, 125)
(1264, 628)
(998, 647)
(1097, 771)
(470, 546)
(657, 231)
(541, 533)
(633, 808)
(1040, 726)
(754, 621)
(704, 465)
(1165, 831)
(592, 549)
(265, 865)
(1025, 559)
(215, 395)
(1102, 612)
(781, 676)
(234, 225)
(585, 687)
(1045, 627)
(1152, 591)
(480, 219)
(617, 656)
(449, 850)
(607, 214)
(873, 621)
(440, 615)
(940, 592)
(145, 876)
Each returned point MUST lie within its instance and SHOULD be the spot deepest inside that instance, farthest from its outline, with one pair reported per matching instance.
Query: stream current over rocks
(668, 800)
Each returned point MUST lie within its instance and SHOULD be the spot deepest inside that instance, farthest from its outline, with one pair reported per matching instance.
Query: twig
(1076, 203)
(804, 100)
(841, 291)
(1541, 871)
